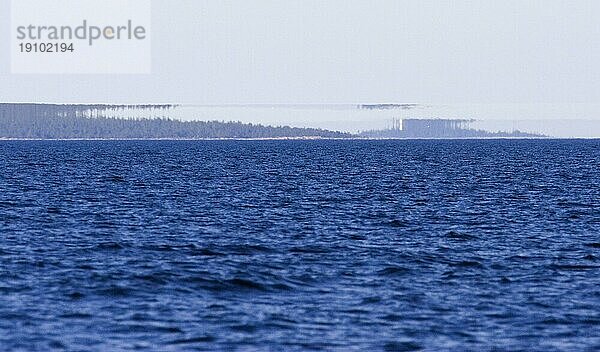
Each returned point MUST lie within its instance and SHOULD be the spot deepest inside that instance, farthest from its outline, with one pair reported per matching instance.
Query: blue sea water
(300, 245)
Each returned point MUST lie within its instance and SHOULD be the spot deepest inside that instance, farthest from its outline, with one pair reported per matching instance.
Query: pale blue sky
(347, 51)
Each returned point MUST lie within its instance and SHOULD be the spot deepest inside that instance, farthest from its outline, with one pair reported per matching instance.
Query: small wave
(245, 284)
(309, 249)
(115, 291)
(7, 204)
(205, 252)
(9, 290)
(393, 271)
(249, 328)
(157, 278)
(203, 282)
(371, 300)
(160, 247)
(467, 264)
(573, 267)
(520, 257)
(402, 346)
(115, 179)
(145, 328)
(448, 275)
(397, 223)
(53, 210)
(86, 267)
(75, 295)
(76, 316)
(460, 236)
(247, 249)
(113, 246)
(193, 340)
(357, 237)
(54, 344)
(239, 285)
(392, 317)
(555, 321)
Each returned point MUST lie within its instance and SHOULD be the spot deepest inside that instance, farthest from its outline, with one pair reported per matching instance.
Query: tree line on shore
(48, 121)
(54, 121)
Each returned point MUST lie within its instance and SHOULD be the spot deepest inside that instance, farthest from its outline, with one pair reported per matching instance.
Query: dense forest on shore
(53, 121)
(47, 121)
(441, 128)
(450, 134)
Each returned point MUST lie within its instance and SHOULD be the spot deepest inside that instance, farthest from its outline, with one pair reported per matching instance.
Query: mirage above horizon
(49, 121)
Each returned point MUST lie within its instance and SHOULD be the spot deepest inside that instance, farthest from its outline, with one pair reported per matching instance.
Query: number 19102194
(46, 47)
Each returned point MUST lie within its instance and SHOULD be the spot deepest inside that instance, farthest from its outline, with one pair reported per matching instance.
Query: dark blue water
(300, 245)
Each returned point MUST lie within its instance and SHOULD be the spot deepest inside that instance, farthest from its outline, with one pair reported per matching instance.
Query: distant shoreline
(2, 139)
(101, 122)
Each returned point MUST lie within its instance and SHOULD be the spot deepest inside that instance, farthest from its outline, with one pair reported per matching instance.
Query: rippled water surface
(300, 245)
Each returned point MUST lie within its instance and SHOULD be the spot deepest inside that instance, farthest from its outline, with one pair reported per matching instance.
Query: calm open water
(300, 245)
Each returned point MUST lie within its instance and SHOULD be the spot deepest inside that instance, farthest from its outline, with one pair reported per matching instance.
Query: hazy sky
(347, 51)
